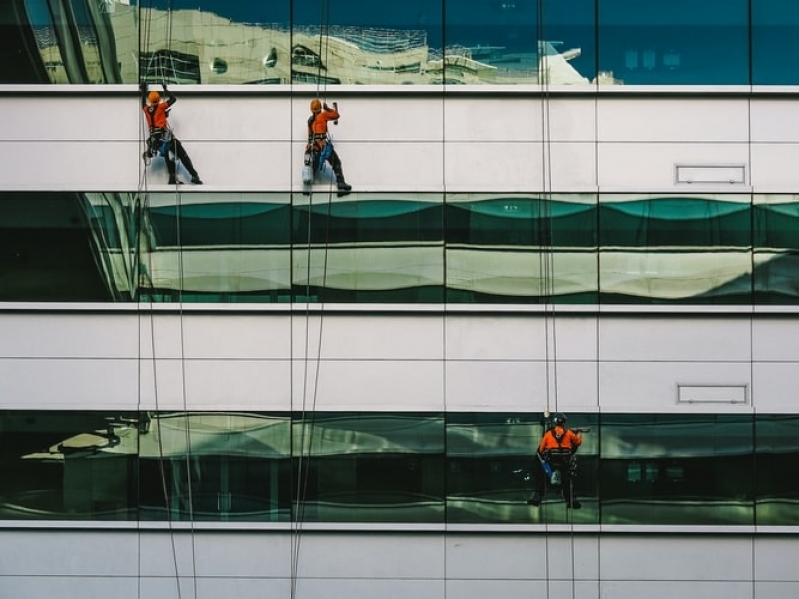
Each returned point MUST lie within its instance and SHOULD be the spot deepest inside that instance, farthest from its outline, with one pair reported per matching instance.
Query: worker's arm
(170, 97)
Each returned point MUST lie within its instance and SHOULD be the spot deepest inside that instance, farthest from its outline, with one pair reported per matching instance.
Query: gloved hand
(143, 87)
(325, 106)
(166, 90)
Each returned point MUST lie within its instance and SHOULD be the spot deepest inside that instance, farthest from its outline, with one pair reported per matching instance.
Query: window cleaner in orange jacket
(556, 454)
(161, 141)
(320, 149)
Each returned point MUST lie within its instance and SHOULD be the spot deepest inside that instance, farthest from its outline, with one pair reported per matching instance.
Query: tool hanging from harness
(317, 151)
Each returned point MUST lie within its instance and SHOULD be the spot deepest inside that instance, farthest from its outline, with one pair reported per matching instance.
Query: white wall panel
(216, 336)
(69, 165)
(382, 166)
(636, 166)
(78, 335)
(364, 587)
(68, 587)
(671, 558)
(215, 384)
(490, 337)
(76, 553)
(774, 120)
(775, 339)
(68, 383)
(404, 385)
(520, 337)
(363, 336)
(496, 386)
(231, 166)
(689, 589)
(380, 119)
(774, 386)
(71, 118)
(774, 167)
(681, 120)
(653, 338)
(645, 386)
(241, 118)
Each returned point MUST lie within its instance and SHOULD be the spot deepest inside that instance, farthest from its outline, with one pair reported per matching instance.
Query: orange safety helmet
(316, 105)
(153, 97)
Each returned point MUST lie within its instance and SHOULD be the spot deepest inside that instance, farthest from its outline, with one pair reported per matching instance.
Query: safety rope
(309, 421)
(547, 283)
(144, 207)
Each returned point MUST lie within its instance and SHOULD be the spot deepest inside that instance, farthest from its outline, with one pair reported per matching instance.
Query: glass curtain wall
(724, 249)
(423, 42)
(468, 468)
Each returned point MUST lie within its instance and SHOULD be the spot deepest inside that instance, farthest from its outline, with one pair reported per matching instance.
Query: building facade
(257, 387)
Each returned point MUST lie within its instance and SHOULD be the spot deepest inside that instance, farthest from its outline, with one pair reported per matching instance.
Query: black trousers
(564, 465)
(333, 160)
(176, 149)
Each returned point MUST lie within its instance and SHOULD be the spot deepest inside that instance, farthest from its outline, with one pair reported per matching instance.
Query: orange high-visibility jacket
(317, 125)
(560, 438)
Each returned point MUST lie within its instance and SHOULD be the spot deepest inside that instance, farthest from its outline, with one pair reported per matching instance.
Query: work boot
(173, 180)
(534, 500)
(196, 180)
(343, 188)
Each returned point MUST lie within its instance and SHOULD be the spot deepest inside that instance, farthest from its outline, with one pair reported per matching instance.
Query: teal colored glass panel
(514, 249)
(681, 42)
(369, 467)
(776, 225)
(777, 452)
(369, 251)
(774, 50)
(68, 465)
(235, 249)
(519, 42)
(674, 222)
(677, 469)
(776, 251)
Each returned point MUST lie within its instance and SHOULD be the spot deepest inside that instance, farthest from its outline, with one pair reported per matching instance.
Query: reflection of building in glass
(239, 390)
(188, 46)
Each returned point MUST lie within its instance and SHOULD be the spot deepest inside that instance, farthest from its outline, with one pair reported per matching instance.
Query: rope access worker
(320, 148)
(556, 456)
(161, 140)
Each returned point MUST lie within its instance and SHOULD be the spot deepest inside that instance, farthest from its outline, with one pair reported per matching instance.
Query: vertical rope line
(445, 291)
(303, 471)
(143, 187)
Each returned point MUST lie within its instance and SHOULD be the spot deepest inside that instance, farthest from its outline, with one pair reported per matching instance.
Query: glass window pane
(218, 247)
(68, 465)
(680, 42)
(498, 248)
(215, 467)
(492, 469)
(677, 469)
(777, 456)
(529, 42)
(376, 248)
(351, 41)
(212, 41)
(689, 249)
(369, 467)
(774, 50)
(49, 248)
(776, 248)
